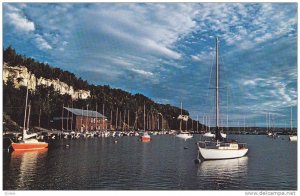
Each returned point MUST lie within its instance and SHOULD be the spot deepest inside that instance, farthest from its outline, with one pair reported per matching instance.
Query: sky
(166, 51)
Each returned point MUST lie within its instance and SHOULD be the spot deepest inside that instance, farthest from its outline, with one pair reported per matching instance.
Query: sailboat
(209, 134)
(183, 134)
(28, 142)
(292, 138)
(145, 136)
(210, 150)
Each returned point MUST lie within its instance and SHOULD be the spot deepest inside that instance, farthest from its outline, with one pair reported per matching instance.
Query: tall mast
(217, 83)
(117, 119)
(28, 116)
(62, 118)
(72, 117)
(291, 118)
(144, 116)
(217, 88)
(103, 118)
(180, 115)
(128, 119)
(25, 114)
(197, 123)
(68, 119)
(267, 122)
(96, 116)
(110, 127)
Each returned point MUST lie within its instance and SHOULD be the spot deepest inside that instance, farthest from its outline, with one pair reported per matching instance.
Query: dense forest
(46, 103)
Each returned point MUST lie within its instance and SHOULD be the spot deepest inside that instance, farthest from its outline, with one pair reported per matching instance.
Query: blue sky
(166, 52)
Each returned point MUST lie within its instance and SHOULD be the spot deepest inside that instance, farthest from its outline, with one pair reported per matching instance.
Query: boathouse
(81, 120)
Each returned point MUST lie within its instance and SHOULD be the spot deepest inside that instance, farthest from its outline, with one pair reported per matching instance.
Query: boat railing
(209, 144)
(242, 145)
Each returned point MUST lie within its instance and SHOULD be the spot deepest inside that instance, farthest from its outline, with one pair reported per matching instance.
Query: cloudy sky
(166, 51)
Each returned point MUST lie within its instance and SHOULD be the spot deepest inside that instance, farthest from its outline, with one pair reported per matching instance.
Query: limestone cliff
(20, 76)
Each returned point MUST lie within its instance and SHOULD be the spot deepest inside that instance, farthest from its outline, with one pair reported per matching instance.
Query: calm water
(166, 162)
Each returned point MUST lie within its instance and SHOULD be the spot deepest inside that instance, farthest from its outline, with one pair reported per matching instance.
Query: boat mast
(103, 118)
(144, 116)
(291, 118)
(217, 89)
(96, 116)
(28, 116)
(25, 114)
(180, 115)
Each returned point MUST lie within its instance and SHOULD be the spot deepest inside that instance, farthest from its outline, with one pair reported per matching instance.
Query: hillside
(48, 98)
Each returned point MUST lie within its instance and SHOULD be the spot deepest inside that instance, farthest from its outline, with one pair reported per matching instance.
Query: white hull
(184, 136)
(208, 153)
(208, 134)
(293, 138)
(219, 150)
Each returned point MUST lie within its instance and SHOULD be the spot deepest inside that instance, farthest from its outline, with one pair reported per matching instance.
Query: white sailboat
(219, 150)
(209, 134)
(145, 136)
(183, 134)
(292, 138)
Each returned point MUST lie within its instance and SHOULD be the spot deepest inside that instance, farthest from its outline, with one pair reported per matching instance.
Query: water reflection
(26, 162)
(223, 173)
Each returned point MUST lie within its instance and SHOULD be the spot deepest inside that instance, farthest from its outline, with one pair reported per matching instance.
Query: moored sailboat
(220, 149)
(145, 136)
(292, 138)
(183, 134)
(28, 142)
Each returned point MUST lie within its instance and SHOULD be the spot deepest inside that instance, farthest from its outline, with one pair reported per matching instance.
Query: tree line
(46, 103)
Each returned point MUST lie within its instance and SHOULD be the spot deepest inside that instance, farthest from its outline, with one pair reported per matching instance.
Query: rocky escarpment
(20, 76)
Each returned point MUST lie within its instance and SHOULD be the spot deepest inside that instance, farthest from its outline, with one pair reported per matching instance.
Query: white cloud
(252, 82)
(273, 93)
(154, 28)
(204, 56)
(161, 49)
(15, 16)
(42, 43)
(264, 21)
(20, 22)
(142, 72)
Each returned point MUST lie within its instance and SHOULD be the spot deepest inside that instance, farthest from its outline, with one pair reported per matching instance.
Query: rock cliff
(20, 76)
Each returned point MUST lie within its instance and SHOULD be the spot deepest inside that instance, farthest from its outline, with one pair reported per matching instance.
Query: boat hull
(145, 138)
(29, 146)
(293, 138)
(184, 136)
(208, 134)
(214, 154)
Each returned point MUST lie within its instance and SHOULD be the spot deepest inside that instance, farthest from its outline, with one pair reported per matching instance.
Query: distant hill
(47, 101)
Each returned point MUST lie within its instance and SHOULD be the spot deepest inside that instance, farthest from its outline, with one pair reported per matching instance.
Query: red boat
(145, 137)
(29, 144)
